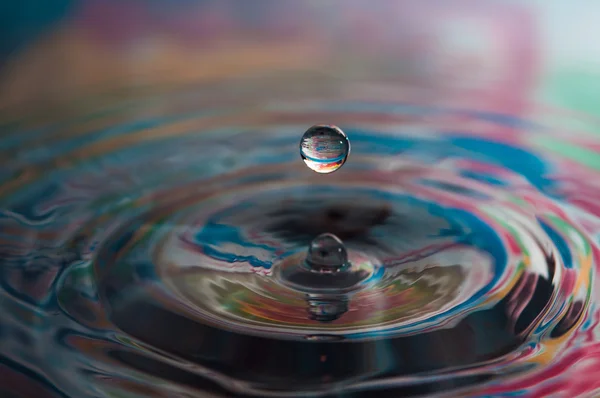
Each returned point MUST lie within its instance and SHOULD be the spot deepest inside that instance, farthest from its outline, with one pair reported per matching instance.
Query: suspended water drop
(327, 254)
(324, 148)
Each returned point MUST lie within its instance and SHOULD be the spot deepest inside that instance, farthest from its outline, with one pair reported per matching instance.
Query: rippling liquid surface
(140, 245)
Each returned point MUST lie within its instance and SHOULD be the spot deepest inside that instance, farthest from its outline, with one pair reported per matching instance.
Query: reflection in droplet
(326, 308)
(324, 148)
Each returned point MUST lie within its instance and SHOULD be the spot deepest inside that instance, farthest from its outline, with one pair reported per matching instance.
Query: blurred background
(499, 52)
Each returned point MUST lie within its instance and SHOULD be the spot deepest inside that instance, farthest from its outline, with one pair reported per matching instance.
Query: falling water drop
(324, 148)
(327, 254)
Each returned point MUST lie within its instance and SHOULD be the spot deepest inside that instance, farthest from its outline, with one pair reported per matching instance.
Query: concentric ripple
(147, 254)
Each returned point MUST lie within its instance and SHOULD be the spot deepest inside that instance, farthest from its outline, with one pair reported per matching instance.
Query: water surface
(139, 240)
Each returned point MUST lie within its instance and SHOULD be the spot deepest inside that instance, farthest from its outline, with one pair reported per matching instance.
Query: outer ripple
(140, 255)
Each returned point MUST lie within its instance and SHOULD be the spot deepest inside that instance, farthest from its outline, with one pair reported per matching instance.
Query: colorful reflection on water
(142, 231)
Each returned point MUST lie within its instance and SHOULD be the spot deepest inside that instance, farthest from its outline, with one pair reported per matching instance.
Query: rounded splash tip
(324, 148)
(327, 255)
(328, 270)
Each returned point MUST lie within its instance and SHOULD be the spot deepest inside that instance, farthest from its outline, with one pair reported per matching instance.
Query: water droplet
(324, 148)
(327, 254)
